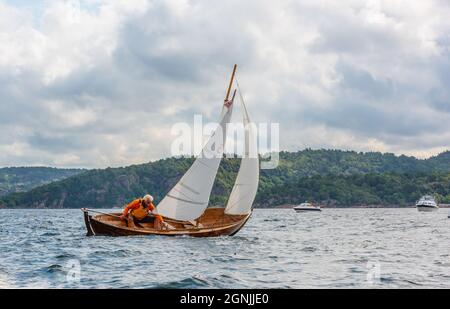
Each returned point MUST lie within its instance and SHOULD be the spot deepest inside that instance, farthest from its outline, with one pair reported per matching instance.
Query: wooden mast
(231, 83)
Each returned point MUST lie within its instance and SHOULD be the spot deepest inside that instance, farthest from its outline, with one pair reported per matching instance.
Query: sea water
(337, 248)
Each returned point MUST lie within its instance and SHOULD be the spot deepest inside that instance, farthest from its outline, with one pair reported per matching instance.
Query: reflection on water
(364, 248)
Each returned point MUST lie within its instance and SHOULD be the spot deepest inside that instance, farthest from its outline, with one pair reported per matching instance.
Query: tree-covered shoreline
(332, 178)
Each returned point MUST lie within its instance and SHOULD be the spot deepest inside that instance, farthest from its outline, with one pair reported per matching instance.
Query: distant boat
(427, 203)
(306, 207)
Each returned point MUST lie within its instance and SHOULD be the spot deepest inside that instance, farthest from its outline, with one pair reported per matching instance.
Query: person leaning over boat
(139, 209)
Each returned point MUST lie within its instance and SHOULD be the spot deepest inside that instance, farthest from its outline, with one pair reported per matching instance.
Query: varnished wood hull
(213, 223)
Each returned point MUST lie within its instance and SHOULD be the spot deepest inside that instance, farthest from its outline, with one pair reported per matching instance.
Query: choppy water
(337, 248)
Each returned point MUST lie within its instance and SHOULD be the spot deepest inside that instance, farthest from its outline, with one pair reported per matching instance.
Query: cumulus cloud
(95, 83)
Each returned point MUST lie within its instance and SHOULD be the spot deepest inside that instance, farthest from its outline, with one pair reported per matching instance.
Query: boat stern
(87, 222)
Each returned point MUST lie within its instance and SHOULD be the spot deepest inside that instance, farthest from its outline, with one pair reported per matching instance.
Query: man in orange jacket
(139, 209)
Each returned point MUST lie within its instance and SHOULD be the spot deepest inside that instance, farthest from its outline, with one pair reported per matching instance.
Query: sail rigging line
(246, 117)
(101, 212)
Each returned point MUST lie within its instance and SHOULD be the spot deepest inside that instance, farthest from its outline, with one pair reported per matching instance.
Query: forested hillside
(19, 179)
(332, 177)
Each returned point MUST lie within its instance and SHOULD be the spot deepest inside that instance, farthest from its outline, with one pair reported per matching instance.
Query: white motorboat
(427, 203)
(306, 207)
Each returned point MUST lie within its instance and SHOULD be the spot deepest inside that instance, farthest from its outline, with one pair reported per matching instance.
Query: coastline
(284, 206)
(289, 206)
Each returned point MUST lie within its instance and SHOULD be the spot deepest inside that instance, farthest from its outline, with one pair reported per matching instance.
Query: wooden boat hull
(212, 223)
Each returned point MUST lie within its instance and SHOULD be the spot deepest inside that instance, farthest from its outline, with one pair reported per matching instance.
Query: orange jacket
(136, 204)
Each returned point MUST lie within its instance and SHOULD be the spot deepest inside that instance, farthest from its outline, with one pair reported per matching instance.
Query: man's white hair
(148, 198)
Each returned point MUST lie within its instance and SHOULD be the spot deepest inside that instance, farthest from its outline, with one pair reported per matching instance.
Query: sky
(95, 83)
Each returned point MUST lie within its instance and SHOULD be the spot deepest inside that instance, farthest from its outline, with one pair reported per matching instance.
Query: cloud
(96, 83)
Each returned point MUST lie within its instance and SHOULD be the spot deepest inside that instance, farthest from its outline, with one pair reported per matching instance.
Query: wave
(187, 283)
(55, 268)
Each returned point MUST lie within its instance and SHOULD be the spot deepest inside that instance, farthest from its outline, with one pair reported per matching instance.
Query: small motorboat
(427, 203)
(306, 207)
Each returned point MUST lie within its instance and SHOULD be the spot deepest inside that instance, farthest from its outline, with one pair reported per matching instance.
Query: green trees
(18, 179)
(332, 177)
(360, 189)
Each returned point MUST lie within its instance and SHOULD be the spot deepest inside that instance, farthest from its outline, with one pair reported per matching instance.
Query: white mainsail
(189, 198)
(244, 190)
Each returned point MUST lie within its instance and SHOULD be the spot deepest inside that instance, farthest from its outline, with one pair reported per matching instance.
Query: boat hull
(213, 223)
(307, 209)
(427, 208)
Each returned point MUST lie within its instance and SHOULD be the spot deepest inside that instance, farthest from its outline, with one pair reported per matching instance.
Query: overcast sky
(96, 83)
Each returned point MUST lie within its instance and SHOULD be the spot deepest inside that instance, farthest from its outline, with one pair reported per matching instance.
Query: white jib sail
(189, 198)
(244, 190)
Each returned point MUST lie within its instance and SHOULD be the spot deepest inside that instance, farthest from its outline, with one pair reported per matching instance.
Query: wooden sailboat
(184, 208)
